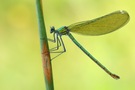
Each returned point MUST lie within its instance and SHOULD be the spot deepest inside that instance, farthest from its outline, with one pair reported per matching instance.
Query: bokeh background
(20, 60)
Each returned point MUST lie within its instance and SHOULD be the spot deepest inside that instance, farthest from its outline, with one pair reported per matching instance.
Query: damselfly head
(52, 29)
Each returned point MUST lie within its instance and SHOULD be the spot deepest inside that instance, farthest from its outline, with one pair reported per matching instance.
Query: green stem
(44, 48)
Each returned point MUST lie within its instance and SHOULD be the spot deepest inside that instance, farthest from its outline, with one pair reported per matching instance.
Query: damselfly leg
(59, 43)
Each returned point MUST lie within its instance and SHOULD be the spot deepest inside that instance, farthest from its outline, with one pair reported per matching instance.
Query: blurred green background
(20, 60)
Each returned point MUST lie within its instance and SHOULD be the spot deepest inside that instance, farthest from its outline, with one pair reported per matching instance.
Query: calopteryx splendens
(98, 26)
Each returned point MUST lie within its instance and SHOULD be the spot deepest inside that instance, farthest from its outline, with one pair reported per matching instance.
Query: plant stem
(47, 67)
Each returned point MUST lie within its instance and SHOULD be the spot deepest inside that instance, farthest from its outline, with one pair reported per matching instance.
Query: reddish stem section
(46, 62)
